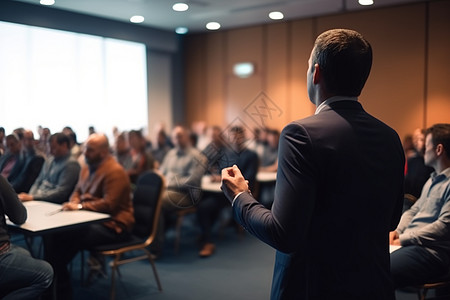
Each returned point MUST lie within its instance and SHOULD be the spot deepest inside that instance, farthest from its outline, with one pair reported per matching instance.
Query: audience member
(220, 156)
(269, 163)
(183, 167)
(32, 166)
(417, 173)
(21, 276)
(44, 143)
(91, 130)
(103, 186)
(160, 148)
(75, 149)
(122, 151)
(259, 141)
(141, 160)
(12, 161)
(13, 164)
(339, 189)
(200, 135)
(2, 141)
(423, 231)
(58, 176)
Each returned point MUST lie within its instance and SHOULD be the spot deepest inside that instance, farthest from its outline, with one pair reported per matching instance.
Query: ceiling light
(365, 2)
(47, 2)
(180, 6)
(137, 19)
(276, 15)
(212, 26)
(181, 30)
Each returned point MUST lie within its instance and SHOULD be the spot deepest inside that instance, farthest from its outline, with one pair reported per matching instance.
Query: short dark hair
(345, 59)
(61, 138)
(440, 134)
(237, 130)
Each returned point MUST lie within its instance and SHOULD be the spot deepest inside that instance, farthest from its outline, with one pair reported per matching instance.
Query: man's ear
(439, 149)
(317, 74)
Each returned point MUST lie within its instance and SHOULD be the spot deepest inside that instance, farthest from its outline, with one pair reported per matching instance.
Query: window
(56, 78)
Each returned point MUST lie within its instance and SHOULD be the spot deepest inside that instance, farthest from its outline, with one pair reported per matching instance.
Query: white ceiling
(229, 13)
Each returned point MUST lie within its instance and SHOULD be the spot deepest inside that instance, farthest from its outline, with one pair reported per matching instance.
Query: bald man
(103, 186)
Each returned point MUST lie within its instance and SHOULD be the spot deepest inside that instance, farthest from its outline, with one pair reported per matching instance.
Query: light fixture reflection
(137, 19)
(181, 30)
(212, 26)
(180, 6)
(276, 15)
(365, 2)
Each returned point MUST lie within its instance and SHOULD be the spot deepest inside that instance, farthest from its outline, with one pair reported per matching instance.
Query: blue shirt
(427, 223)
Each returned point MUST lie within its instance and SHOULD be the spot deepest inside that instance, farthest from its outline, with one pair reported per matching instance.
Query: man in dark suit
(339, 188)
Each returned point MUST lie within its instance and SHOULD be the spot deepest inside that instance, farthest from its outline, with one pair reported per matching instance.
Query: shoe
(207, 250)
(97, 268)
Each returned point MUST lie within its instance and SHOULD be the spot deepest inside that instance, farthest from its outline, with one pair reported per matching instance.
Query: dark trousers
(61, 248)
(415, 265)
(208, 211)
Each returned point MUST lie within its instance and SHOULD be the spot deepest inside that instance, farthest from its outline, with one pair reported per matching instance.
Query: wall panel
(302, 40)
(408, 86)
(276, 81)
(438, 98)
(215, 80)
(243, 45)
(195, 76)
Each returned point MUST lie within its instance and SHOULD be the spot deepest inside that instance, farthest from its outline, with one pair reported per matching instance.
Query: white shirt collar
(331, 100)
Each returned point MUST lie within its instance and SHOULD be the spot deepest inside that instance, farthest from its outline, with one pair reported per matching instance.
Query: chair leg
(112, 291)
(152, 263)
(82, 267)
(422, 293)
(178, 233)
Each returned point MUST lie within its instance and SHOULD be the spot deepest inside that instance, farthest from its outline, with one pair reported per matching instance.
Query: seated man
(13, 161)
(423, 231)
(104, 187)
(59, 175)
(269, 163)
(221, 156)
(21, 165)
(21, 276)
(33, 164)
(183, 167)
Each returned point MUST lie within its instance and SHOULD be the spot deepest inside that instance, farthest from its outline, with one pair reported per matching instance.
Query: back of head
(345, 59)
(440, 134)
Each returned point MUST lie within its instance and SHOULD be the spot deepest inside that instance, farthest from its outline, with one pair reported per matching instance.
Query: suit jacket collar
(344, 104)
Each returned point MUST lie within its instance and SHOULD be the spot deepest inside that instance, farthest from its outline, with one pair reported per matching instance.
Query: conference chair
(436, 284)
(147, 200)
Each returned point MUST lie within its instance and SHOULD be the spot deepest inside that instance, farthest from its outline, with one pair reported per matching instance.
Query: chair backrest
(147, 203)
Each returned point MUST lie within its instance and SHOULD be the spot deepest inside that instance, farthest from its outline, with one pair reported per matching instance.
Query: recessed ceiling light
(180, 6)
(365, 2)
(181, 30)
(276, 15)
(213, 26)
(137, 19)
(47, 2)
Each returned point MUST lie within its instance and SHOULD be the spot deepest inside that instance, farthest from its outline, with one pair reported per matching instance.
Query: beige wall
(409, 85)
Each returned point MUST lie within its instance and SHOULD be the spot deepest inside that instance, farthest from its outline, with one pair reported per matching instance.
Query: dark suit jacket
(339, 192)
